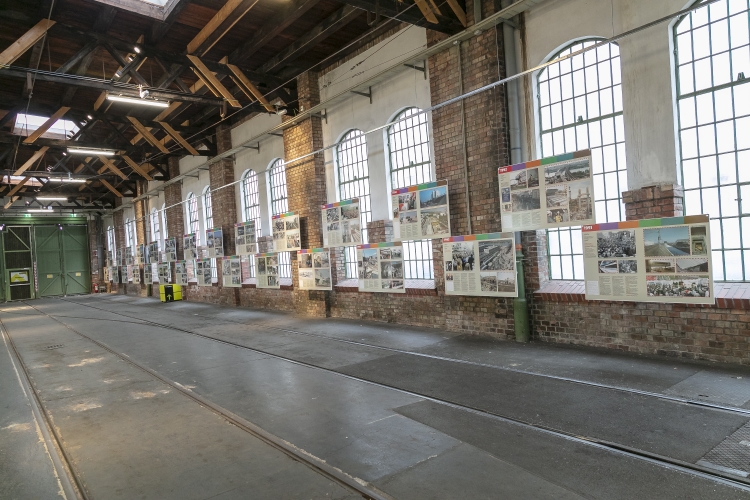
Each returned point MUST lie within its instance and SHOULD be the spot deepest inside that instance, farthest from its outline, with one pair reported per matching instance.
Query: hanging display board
(341, 224)
(381, 267)
(547, 193)
(125, 274)
(480, 264)
(153, 252)
(170, 250)
(245, 238)
(136, 274)
(113, 278)
(180, 272)
(314, 269)
(129, 261)
(147, 274)
(203, 272)
(165, 273)
(421, 212)
(286, 236)
(653, 260)
(140, 256)
(190, 246)
(215, 242)
(267, 270)
(231, 272)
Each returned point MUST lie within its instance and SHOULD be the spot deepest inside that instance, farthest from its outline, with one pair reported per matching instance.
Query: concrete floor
(413, 413)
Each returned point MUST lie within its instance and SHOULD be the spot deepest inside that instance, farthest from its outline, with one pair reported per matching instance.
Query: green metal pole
(520, 307)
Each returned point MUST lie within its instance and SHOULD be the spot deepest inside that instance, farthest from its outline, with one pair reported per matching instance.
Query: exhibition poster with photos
(180, 272)
(215, 242)
(267, 270)
(153, 252)
(135, 273)
(314, 269)
(147, 274)
(480, 264)
(421, 211)
(141, 255)
(652, 260)
(231, 271)
(190, 247)
(245, 238)
(124, 274)
(203, 272)
(381, 267)
(165, 273)
(341, 224)
(113, 274)
(286, 235)
(129, 256)
(170, 250)
(547, 193)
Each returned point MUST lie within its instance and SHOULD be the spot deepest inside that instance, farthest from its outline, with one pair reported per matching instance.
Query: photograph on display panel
(547, 193)
(165, 273)
(190, 247)
(245, 238)
(231, 271)
(203, 272)
(314, 269)
(381, 267)
(341, 223)
(153, 252)
(480, 264)
(286, 232)
(267, 270)
(421, 211)
(215, 242)
(170, 250)
(180, 271)
(653, 260)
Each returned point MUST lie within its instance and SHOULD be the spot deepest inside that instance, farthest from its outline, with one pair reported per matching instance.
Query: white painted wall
(405, 89)
(647, 71)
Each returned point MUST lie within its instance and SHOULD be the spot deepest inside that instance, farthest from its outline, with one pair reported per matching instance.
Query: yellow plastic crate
(170, 293)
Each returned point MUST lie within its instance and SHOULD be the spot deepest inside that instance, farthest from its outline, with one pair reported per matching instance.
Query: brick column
(306, 187)
(653, 202)
(224, 206)
(380, 231)
(119, 221)
(141, 232)
(175, 209)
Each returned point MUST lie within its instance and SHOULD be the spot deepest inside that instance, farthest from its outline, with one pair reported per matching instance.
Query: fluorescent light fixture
(65, 179)
(137, 49)
(37, 210)
(91, 151)
(135, 100)
(51, 198)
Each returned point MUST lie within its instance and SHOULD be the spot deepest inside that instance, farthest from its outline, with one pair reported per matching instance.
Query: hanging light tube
(91, 151)
(51, 198)
(136, 100)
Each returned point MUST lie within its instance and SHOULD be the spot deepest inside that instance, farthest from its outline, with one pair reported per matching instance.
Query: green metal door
(49, 261)
(18, 271)
(76, 264)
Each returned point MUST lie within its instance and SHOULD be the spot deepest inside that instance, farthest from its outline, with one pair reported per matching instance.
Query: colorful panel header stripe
(380, 245)
(479, 237)
(188, 235)
(340, 203)
(419, 187)
(544, 161)
(311, 250)
(267, 254)
(665, 221)
(248, 223)
(287, 214)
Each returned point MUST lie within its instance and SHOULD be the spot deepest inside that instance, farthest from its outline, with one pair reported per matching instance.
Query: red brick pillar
(119, 221)
(306, 187)
(141, 233)
(175, 208)
(653, 202)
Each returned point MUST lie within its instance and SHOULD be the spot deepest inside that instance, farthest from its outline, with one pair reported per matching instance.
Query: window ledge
(728, 295)
(413, 287)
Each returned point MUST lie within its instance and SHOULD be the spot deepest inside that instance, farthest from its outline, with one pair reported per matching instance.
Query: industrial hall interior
(381, 249)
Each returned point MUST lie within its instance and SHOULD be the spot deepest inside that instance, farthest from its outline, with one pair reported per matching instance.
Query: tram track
(661, 460)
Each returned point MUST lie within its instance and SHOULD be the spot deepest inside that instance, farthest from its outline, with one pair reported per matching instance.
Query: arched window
(279, 205)
(251, 200)
(155, 226)
(111, 243)
(208, 221)
(164, 220)
(191, 206)
(409, 154)
(128, 233)
(580, 107)
(712, 60)
(354, 182)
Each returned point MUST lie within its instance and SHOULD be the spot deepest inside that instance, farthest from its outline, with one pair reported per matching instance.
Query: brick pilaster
(653, 202)
(380, 231)
(175, 209)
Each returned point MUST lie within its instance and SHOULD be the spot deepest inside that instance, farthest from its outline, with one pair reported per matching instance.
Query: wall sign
(314, 269)
(421, 212)
(652, 260)
(245, 240)
(341, 223)
(267, 270)
(547, 193)
(381, 267)
(480, 264)
(286, 236)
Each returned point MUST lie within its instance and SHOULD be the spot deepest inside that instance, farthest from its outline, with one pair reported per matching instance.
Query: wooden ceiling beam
(147, 135)
(34, 158)
(111, 188)
(219, 25)
(211, 81)
(27, 40)
(111, 166)
(400, 10)
(17, 187)
(36, 134)
(247, 86)
(177, 137)
(137, 168)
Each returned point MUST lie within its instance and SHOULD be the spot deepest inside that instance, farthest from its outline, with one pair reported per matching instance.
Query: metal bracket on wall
(257, 148)
(423, 69)
(323, 115)
(367, 94)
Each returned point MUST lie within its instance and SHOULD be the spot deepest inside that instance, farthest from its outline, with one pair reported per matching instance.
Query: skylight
(61, 129)
(158, 9)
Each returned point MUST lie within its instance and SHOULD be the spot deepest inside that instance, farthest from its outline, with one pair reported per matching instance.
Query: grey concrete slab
(588, 471)
(26, 468)
(663, 427)
(466, 472)
(723, 388)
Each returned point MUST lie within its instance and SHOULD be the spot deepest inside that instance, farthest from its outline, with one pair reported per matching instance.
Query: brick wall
(664, 200)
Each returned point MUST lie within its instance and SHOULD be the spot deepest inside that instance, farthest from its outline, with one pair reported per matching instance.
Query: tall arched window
(251, 199)
(712, 52)
(208, 221)
(279, 205)
(128, 233)
(155, 226)
(580, 107)
(354, 182)
(111, 243)
(164, 220)
(191, 206)
(409, 154)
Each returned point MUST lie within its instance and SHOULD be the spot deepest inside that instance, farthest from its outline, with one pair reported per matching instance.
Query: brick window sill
(728, 295)
(413, 287)
(284, 284)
